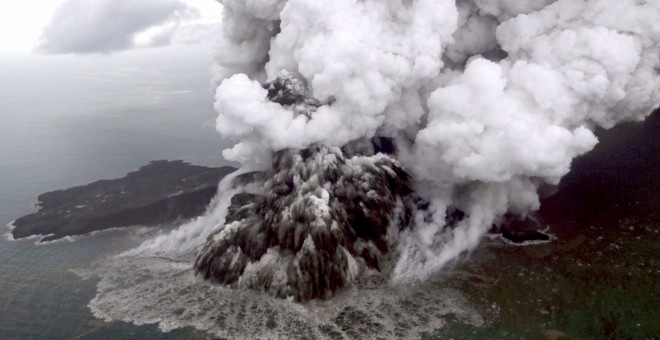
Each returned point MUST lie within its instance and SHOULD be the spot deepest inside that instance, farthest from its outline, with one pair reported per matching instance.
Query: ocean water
(66, 122)
(70, 121)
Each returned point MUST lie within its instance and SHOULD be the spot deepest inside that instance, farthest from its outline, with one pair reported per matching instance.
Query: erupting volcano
(394, 134)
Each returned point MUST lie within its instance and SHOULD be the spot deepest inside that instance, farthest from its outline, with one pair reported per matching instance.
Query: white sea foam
(146, 290)
(545, 231)
(38, 237)
(10, 237)
(11, 227)
(67, 238)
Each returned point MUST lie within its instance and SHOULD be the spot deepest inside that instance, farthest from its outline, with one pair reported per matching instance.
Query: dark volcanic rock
(160, 192)
(523, 235)
(520, 230)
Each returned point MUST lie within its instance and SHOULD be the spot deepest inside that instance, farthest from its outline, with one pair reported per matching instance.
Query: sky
(82, 27)
(101, 52)
(120, 64)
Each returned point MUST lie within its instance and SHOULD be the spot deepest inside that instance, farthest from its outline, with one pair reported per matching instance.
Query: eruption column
(482, 101)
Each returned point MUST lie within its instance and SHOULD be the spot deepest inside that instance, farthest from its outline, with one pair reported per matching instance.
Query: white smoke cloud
(506, 9)
(104, 26)
(487, 100)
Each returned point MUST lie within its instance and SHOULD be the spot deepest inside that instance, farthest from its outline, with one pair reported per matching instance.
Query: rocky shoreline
(160, 192)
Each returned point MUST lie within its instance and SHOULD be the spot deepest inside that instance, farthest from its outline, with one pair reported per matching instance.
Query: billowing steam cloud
(483, 101)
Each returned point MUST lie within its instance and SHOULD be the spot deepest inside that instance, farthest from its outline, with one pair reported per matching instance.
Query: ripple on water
(146, 290)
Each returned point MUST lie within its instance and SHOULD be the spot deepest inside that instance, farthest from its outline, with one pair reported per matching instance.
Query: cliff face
(158, 193)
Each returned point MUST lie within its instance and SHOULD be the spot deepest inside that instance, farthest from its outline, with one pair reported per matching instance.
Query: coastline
(158, 193)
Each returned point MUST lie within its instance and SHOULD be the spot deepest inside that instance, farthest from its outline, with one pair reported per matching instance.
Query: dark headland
(160, 192)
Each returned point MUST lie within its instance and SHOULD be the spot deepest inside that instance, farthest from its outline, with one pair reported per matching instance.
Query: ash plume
(482, 101)
(322, 218)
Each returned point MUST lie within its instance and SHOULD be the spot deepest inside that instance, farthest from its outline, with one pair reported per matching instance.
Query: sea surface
(67, 122)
